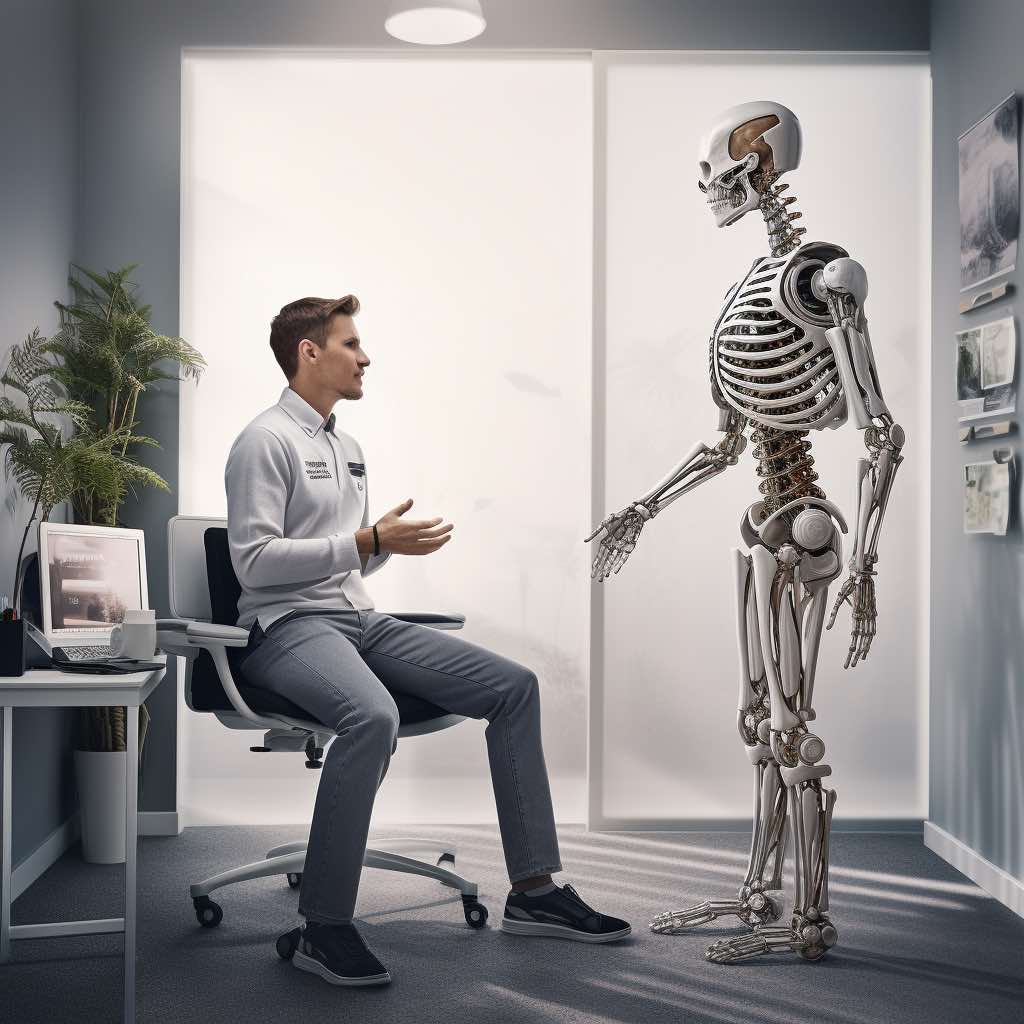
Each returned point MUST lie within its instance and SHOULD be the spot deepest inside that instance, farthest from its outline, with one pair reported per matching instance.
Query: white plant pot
(101, 796)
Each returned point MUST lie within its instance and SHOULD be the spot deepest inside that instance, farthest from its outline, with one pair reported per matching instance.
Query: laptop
(89, 576)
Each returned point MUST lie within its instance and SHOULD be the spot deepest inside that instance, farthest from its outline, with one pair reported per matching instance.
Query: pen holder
(12, 647)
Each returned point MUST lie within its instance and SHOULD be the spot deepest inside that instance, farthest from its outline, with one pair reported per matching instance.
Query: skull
(752, 137)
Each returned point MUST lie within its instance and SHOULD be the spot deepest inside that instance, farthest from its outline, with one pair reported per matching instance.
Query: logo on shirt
(316, 469)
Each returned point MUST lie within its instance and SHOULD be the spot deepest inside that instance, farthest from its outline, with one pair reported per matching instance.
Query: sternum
(785, 466)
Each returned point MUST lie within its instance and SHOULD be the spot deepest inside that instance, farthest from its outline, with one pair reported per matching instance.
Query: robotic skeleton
(790, 353)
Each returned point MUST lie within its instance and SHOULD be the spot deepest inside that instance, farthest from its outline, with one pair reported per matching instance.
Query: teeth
(719, 196)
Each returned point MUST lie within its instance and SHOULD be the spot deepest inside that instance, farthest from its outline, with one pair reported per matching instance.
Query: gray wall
(38, 153)
(977, 620)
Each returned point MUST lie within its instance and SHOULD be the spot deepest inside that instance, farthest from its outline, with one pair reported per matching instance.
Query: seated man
(301, 543)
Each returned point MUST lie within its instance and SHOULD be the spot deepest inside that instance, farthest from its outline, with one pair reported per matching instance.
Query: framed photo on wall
(986, 358)
(989, 190)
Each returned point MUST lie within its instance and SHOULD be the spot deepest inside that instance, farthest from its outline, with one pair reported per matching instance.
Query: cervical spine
(783, 238)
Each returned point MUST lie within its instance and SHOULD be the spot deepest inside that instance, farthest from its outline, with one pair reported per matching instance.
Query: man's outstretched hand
(411, 536)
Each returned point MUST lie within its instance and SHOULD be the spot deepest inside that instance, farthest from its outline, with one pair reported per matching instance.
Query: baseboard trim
(45, 855)
(63, 837)
(893, 825)
(159, 823)
(994, 880)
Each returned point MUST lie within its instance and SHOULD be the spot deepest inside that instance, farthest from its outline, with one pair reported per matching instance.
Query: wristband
(376, 540)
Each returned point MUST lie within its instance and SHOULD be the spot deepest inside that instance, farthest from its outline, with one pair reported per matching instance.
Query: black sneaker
(560, 914)
(338, 954)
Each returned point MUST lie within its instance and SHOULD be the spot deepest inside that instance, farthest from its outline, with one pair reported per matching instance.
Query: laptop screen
(93, 579)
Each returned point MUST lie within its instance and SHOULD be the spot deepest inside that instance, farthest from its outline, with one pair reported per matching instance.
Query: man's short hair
(305, 318)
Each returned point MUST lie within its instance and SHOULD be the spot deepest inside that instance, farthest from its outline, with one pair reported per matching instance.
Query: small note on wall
(987, 497)
(985, 363)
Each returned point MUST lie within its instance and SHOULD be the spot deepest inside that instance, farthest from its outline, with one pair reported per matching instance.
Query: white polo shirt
(297, 493)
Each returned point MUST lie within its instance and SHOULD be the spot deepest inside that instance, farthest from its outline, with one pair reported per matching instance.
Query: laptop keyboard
(87, 653)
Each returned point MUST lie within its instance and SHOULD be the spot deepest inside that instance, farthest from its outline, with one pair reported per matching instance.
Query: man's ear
(312, 345)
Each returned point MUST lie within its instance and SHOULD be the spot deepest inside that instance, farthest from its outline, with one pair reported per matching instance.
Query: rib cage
(771, 361)
(774, 370)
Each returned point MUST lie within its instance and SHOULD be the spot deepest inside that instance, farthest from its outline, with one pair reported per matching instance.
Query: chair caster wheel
(208, 913)
(288, 943)
(476, 912)
(294, 879)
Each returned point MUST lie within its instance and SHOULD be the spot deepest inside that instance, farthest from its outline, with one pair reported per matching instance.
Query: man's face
(340, 364)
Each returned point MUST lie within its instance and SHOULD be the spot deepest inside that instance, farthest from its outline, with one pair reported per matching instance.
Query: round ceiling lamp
(435, 22)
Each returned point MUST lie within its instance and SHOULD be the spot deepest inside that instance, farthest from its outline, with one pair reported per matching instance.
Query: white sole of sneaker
(307, 963)
(558, 931)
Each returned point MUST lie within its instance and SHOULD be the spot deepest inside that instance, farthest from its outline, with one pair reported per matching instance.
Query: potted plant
(47, 468)
(107, 356)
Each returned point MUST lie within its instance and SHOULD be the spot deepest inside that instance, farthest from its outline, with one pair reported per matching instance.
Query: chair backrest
(225, 590)
(186, 566)
(203, 586)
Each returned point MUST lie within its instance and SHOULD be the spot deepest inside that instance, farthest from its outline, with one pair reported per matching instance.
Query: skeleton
(790, 353)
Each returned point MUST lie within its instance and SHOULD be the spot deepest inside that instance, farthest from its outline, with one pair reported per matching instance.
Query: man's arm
(370, 562)
(257, 477)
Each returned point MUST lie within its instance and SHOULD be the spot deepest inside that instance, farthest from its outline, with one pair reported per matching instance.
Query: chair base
(290, 859)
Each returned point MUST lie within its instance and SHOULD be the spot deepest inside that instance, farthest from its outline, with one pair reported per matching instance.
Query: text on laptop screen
(93, 580)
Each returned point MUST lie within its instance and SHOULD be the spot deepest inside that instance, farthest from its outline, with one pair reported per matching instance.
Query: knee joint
(383, 722)
(523, 688)
(797, 748)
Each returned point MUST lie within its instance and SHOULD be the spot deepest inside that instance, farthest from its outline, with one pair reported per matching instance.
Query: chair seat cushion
(209, 695)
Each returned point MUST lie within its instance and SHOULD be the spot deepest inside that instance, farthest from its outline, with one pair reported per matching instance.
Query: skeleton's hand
(618, 534)
(862, 586)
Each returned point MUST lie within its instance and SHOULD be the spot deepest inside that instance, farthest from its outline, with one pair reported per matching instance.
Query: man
(301, 543)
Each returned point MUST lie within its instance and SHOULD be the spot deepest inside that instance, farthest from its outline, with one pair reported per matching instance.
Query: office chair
(204, 594)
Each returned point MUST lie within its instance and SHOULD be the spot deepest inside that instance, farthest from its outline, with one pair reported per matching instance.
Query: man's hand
(861, 586)
(411, 536)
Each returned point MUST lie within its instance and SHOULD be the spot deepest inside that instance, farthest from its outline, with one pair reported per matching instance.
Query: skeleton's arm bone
(701, 463)
(843, 285)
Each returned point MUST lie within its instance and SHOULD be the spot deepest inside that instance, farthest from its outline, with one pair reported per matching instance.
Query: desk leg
(131, 839)
(6, 753)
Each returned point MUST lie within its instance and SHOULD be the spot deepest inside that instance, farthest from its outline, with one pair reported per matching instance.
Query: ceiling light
(435, 22)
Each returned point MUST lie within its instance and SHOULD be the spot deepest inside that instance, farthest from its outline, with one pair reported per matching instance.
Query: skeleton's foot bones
(753, 907)
(810, 937)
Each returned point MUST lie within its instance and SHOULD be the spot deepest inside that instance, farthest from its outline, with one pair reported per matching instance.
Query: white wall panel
(454, 198)
(666, 695)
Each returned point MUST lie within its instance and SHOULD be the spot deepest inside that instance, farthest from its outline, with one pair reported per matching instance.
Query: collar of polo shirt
(303, 413)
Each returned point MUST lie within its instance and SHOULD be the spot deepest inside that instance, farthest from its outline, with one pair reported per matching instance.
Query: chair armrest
(171, 636)
(213, 634)
(436, 620)
(174, 625)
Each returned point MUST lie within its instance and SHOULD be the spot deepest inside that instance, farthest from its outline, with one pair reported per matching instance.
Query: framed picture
(989, 188)
(985, 364)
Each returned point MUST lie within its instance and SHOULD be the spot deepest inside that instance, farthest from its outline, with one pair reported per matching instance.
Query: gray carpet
(918, 942)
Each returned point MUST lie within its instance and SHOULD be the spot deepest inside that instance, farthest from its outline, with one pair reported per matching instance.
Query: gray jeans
(339, 667)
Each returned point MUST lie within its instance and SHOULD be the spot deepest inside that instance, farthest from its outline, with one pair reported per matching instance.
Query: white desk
(48, 688)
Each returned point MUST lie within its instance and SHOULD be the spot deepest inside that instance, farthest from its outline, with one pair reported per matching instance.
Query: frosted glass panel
(454, 198)
(669, 745)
